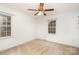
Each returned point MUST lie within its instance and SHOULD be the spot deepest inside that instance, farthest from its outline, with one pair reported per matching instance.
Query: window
(52, 27)
(5, 26)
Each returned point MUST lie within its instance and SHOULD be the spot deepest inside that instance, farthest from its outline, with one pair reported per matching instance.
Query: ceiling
(59, 7)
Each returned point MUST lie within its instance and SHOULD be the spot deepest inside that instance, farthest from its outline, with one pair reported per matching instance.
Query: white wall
(66, 28)
(23, 28)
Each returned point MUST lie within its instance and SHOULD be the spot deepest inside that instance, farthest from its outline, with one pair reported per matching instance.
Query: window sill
(8, 37)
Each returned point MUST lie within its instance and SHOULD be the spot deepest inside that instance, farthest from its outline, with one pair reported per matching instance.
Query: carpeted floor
(41, 47)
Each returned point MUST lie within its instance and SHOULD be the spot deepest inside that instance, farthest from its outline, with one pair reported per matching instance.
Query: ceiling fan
(41, 10)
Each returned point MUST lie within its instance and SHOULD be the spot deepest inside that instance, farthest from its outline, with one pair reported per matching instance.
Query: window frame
(6, 23)
(52, 27)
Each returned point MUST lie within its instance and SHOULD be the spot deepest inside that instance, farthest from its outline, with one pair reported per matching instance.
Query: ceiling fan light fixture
(40, 13)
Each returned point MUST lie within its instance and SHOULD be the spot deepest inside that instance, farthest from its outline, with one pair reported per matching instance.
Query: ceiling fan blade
(32, 9)
(44, 14)
(49, 10)
(36, 13)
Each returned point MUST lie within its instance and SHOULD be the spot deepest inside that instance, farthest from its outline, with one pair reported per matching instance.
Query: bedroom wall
(23, 28)
(66, 28)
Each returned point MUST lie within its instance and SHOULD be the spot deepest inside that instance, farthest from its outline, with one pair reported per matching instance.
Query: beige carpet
(43, 47)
